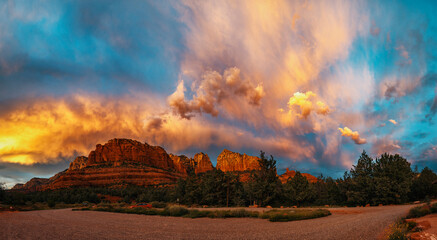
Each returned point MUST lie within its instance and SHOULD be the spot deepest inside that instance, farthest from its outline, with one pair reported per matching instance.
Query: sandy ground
(344, 223)
(430, 232)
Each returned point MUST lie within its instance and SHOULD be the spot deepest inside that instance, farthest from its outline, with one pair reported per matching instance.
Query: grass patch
(423, 210)
(179, 211)
(294, 215)
(158, 204)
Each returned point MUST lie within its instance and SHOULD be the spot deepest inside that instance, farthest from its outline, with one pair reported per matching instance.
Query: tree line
(387, 179)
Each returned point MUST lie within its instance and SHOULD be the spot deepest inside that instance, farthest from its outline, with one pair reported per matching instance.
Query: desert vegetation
(180, 211)
(403, 228)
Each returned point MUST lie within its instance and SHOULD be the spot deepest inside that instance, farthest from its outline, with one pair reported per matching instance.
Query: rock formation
(78, 163)
(290, 174)
(118, 151)
(202, 163)
(229, 161)
(33, 184)
(121, 162)
(199, 163)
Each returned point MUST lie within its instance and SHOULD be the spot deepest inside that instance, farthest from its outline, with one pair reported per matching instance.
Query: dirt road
(344, 223)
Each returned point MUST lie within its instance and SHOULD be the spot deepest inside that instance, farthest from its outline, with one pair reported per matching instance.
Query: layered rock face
(290, 174)
(199, 163)
(202, 163)
(118, 151)
(121, 162)
(33, 184)
(118, 162)
(229, 161)
(78, 163)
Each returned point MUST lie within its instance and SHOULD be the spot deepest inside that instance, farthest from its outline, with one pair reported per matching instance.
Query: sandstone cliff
(78, 163)
(229, 161)
(33, 184)
(202, 163)
(123, 161)
(118, 151)
(199, 163)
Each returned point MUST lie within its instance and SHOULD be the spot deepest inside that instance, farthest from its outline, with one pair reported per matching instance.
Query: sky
(313, 83)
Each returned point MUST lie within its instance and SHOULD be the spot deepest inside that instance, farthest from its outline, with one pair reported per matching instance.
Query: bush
(398, 231)
(175, 211)
(51, 203)
(433, 208)
(419, 211)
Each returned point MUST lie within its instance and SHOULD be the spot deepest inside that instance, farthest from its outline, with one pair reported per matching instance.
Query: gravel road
(344, 223)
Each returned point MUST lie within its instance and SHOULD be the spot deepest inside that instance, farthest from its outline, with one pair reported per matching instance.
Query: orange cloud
(48, 130)
(307, 103)
(212, 91)
(354, 135)
(393, 121)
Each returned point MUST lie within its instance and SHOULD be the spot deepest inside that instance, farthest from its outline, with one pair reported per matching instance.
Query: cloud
(404, 53)
(374, 30)
(307, 103)
(385, 145)
(354, 135)
(212, 91)
(393, 121)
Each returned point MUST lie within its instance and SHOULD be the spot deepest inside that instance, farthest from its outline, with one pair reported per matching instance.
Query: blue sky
(281, 77)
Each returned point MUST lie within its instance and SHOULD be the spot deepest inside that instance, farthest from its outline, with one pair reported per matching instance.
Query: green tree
(298, 190)
(361, 183)
(423, 186)
(392, 179)
(2, 191)
(264, 185)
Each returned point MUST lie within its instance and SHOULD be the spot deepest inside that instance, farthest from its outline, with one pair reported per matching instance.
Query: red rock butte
(122, 162)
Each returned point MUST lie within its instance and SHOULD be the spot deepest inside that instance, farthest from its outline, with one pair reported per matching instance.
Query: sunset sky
(313, 83)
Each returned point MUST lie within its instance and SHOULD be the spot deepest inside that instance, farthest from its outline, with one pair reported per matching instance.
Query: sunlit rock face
(290, 174)
(202, 163)
(33, 184)
(118, 151)
(78, 163)
(229, 161)
(181, 163)
(118, 162)
(199, 163)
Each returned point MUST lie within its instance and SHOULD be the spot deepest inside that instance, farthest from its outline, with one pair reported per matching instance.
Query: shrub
(175, 211)
(419, 211)
(398, 231)
(51, 203)
(433, 208)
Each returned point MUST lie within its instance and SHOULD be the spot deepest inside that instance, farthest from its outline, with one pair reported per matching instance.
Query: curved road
(344, 223)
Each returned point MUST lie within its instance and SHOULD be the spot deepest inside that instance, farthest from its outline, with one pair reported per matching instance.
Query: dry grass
(179, 211)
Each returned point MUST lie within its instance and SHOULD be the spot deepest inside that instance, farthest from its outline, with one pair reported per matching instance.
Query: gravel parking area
(344, 223)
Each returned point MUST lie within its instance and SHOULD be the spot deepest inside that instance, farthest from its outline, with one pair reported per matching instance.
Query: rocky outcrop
(181, 163)
(119, 151)
(122, 162)
(199, 163)
(18, 186)
(78, 163)
(118, 162)
(290, 174)
(33, 184)
(229, 161)
(202, 163)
